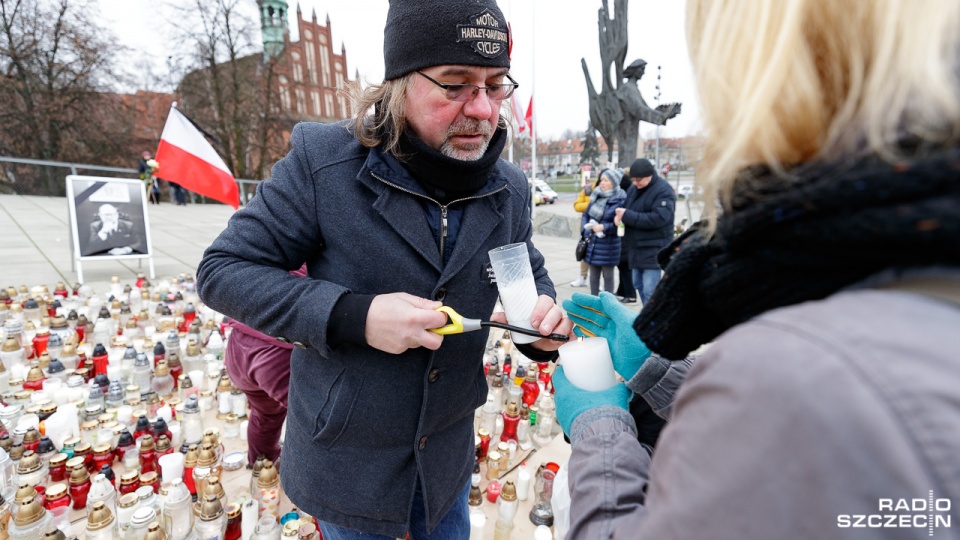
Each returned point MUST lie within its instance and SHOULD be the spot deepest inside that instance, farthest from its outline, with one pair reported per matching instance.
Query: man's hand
(126, 250)
(547, 317)
(400, 321)
(618, 218)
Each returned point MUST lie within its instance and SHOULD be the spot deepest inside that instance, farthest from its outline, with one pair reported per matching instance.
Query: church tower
(273, 27)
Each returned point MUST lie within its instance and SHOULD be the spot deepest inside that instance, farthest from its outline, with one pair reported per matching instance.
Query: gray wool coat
(363, 424)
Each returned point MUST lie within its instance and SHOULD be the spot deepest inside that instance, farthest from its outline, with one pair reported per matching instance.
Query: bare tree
(55, 66)
(229, 86)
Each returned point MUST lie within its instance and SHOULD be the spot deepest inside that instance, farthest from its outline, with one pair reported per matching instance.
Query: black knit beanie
(425, 33)
(641, 168)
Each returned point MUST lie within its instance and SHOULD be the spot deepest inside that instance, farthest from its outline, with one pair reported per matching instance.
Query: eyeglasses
(466, 92)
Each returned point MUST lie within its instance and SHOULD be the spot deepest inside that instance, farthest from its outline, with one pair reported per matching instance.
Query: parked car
(547, 194)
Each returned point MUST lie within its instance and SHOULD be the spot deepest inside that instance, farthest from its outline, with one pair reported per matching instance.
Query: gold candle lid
(146, 443)
(163, 443)
(101, 449)
(58, 459)
(70, 349)
(79, 475)
(11, 344)
(509, 492)
(87, 425)
(148, 478)
(31, 436)
(192, 348)
(233, 510)
(56, 491)
(207, 456)
(48, 408)
(129, 477)
(190, 460)
(74, 462)
(82, 448)
(99, 517)
(16, 451)
(162, 369)
(214, 487)
(71, 442)
(155, 532)
(476, 497)
(128, 500)
(24, 492)
(59, 322)
(30, 511)
(30, 462)
(211, 508)
(268, 476)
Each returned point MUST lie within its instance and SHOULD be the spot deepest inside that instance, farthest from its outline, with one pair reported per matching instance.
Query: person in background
(179, 194)
(828, 288)
(147, 166)
(259, 366)
(603, 251)
(625, 288)
(647, 215)
(580, 205)
(394, 213)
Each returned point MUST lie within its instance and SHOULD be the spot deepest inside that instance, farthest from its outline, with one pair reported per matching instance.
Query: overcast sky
(550, 38)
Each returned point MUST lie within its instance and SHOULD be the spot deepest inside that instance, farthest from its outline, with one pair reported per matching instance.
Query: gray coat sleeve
(774, 434)
(658, 380)
(245, 272)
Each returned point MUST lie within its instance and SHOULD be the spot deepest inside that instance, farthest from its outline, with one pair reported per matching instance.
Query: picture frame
(108, 220)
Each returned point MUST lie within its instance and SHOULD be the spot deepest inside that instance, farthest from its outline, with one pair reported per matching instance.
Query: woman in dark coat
(603, 252)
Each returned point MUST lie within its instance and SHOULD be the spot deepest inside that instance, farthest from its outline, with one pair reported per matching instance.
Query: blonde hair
(386, 122)
(787, 81)
(379, 112)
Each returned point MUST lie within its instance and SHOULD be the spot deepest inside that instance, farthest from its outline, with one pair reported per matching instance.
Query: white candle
(587, 364)
(477, 523)
(523, 481)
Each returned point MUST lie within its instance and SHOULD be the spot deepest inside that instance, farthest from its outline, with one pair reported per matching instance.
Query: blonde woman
(828, 287)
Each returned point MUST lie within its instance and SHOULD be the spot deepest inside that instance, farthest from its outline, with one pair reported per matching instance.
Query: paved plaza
(35, 249)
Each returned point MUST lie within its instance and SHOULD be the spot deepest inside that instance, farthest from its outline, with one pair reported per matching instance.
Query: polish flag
(529, 116)
(187, 158)
(518, 112)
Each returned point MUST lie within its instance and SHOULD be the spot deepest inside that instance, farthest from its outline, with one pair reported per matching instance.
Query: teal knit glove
(572, 401)
(606, 317)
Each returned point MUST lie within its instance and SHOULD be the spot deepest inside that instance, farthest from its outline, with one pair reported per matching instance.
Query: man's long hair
(388, 120)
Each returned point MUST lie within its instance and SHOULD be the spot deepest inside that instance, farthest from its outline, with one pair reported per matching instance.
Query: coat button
(441, 294)
(423, 443)
(282, 339)
(434, 375)
(299, 345)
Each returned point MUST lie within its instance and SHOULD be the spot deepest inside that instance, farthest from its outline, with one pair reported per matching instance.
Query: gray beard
(470, 152)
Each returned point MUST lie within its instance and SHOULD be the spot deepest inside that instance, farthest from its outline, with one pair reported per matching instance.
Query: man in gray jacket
(394, 214)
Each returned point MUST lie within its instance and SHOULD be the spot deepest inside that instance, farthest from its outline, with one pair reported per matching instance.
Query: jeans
(455, 525)
(645, 281)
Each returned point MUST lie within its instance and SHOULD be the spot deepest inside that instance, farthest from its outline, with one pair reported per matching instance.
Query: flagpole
(533, 117)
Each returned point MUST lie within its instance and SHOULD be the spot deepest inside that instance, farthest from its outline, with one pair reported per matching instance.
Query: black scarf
(445, 178)
(806, 236)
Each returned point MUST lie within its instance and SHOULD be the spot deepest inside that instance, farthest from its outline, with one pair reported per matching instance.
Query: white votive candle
(587, 364)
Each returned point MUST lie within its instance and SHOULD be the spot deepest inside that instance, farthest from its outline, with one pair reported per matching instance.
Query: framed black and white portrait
(108, 218)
